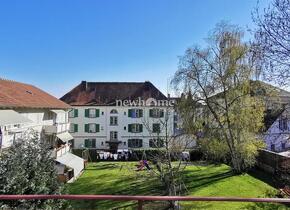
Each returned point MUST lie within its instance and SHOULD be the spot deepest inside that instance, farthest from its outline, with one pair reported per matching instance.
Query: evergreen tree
(28, 168)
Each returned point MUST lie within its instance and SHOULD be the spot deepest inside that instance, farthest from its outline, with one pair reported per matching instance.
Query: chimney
(84, 85)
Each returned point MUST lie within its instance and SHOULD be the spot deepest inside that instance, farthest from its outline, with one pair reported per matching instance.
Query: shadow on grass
(204, 180)
(97, 166)
(265, 206)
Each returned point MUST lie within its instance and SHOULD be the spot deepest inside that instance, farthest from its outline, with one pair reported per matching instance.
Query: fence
(141, 199)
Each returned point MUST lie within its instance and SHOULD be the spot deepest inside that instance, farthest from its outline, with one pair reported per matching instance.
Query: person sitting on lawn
(140, 166)
(145, 163)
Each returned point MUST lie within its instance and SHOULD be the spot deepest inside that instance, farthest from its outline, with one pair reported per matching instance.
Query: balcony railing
(141, 199)
(56, 128)
(58, 152)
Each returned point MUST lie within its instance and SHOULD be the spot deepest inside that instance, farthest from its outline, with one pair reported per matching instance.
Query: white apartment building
(24, 107)
(119, 115)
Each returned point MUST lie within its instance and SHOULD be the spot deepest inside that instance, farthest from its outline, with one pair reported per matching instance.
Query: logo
(144, 103)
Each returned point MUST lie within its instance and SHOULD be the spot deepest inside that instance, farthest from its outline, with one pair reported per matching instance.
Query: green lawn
(200, 180)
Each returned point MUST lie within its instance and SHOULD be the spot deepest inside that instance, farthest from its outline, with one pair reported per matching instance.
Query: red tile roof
(19, 95)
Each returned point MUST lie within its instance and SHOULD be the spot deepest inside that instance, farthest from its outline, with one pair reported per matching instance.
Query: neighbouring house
(119, 115)
(277, 136)
(24, 107)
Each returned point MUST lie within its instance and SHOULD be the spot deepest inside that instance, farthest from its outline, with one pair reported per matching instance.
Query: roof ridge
(14, 81)
(117, 82)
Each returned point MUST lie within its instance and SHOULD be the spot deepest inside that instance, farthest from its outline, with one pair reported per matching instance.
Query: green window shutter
(97, 127)
(140, 128)
(162, 113)
(140, 143)
(97, 113)
(130, 112)
(93, 143)
(130, 128)
(129, 142)
(86, 112)
(151, 113)
(156, 128)
(87, 142)
(76, 112)
(86, 128)
(76, 127)
(140, 113)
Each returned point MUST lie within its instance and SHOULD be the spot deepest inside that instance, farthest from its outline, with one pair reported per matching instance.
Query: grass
(119, 178)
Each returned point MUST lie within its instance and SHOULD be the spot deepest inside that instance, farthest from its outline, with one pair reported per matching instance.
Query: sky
(55, 44)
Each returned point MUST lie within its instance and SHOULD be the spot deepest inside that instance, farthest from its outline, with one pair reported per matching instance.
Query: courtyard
(200, 179)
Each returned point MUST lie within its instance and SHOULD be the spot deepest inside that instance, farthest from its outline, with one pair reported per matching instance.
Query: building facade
(112, 116)
(277, 137)
(24, 109)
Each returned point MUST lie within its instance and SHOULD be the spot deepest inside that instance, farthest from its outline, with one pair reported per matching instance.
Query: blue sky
(54, 44)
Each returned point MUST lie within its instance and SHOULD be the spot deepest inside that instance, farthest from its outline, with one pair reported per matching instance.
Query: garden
(200, 179)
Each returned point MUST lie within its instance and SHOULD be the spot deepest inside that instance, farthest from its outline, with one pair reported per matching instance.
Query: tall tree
(272, 38)
(28, 168)
(219, 79)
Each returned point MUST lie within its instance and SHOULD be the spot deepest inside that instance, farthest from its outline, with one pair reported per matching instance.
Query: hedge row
(136, 155)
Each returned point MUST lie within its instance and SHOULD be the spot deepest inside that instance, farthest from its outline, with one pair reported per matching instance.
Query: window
(283, 124)
(124, 143)
(92, 128)
(135, 128)
(135, 143)
(135, 113)
(73, 128)
(283, 145)
(90, 143)
(156, 143)
(102, 143)
(272, 147)
(113, 135)
(156, 113)
(156, 128)
(124, 127)
(113, 120)
(114, 111)
(73, 113)
(92, 113)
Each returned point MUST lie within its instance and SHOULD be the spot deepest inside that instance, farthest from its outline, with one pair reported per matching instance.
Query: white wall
(123, 121)
(276, 136)
(39, 118)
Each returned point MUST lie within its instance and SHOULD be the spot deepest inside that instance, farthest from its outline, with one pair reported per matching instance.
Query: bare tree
(272, 39)
(168, 160)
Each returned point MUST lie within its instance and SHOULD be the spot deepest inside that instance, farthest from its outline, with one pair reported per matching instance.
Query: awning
(10, 117)
(72, 161)
(65, 136)
(57, 111)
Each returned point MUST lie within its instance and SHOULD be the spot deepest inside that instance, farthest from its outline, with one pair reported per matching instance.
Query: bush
(28, 168)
